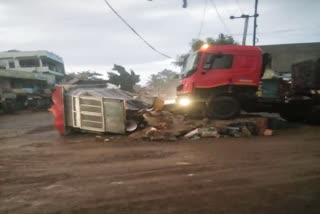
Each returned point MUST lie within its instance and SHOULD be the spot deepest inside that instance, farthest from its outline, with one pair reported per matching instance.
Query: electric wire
(134, 31)
(220, 17)
(203, 18)
(239, 7)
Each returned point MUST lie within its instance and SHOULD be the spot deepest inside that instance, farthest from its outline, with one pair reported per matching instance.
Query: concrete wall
(284, 55)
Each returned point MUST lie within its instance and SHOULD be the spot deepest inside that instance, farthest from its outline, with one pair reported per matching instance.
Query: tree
(163, 83)
(122, 78)
(181, 60)
(84, 75)
(195, 44)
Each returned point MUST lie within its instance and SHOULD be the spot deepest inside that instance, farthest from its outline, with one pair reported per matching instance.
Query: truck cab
(222, 77)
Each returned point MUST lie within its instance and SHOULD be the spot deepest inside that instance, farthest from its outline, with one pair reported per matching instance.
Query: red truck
(222, 80)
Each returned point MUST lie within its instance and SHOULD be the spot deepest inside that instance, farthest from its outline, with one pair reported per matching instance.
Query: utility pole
(255, 22)
(246, 17)
(245, 30)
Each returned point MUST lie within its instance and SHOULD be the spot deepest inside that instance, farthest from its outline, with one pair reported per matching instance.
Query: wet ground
(41, 172)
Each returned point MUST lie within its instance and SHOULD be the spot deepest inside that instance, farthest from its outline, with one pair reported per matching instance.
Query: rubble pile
(167, 126)
(102, 110)
(164, 125)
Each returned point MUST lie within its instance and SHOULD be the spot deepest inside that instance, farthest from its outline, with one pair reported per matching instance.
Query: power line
(220, 17)
(134, 31)
(203, 18)
(239, 7)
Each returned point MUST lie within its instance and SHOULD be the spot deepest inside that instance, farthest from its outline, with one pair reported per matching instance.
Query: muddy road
(41, 172)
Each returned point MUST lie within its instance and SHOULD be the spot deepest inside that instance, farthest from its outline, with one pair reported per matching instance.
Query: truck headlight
(184, 101)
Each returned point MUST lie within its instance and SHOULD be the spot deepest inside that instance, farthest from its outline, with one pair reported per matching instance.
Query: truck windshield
(190, 65)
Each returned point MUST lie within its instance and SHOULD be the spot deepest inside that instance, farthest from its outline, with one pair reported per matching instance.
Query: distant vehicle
(222, 80)
(7, 100)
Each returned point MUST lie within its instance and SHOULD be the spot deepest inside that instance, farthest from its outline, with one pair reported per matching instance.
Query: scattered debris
(104, 110)
(262, 124)
(268, 132)
(246, 129)
(192, 133)
(203, 132)
(151, 132)
(209, 132)
(99, 139)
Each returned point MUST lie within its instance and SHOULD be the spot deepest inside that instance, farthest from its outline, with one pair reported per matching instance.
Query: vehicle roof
(231, 48)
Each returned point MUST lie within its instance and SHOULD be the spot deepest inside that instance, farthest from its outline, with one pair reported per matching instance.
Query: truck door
(215, 70)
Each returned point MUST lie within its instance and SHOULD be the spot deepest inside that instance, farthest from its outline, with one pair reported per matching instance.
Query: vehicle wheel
(223, 108)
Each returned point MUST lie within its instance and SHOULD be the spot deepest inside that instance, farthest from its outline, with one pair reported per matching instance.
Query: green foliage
(195, 44)
(222, 40)
(122, 78)
(85, 75)
(181, 60)
(163, 83)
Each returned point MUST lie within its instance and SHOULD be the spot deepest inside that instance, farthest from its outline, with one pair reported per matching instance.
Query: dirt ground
(41, 172)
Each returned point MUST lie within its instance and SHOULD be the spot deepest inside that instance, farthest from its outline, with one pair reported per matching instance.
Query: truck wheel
(223, 108)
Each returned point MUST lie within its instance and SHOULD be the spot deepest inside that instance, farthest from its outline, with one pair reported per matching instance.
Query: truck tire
(223, 108)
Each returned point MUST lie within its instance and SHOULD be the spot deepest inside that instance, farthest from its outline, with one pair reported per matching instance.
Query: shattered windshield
(190, 65)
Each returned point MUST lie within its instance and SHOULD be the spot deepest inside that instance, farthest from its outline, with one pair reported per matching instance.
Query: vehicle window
(217, 61)
(191, 64)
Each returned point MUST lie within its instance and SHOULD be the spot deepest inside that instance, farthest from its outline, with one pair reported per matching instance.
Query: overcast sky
(87, 35)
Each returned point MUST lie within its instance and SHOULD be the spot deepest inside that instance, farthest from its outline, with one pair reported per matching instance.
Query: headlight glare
(185, 101)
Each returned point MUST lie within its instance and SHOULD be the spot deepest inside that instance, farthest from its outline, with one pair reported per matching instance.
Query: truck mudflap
(58, 110)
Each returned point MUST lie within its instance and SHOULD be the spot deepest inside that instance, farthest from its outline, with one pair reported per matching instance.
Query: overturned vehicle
(97, 109)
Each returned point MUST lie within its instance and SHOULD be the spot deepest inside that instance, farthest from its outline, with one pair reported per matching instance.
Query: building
(23, 81)
(49, 65)
(284, 55)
